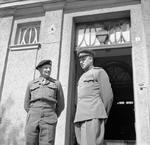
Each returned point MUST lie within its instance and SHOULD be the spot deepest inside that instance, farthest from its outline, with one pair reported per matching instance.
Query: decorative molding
(81, 5)
(26, 7)
(7, 12)
(29, 8)
(108, 47)
(18, 3)
(53, 6)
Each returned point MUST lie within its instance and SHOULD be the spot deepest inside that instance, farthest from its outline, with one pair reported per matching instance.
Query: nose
(81, 62)
(48, 69)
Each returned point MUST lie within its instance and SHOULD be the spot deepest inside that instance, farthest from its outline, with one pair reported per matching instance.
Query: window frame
(20, 22)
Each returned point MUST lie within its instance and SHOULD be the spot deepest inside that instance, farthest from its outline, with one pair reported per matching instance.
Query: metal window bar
(118, 33)
(28, 35)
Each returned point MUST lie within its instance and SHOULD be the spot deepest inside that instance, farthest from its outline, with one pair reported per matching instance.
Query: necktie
(44, 81)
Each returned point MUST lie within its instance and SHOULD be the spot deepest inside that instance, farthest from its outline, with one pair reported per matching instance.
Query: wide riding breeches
(90, 132)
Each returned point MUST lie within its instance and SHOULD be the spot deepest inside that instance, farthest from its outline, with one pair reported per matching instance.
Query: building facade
(117, 30)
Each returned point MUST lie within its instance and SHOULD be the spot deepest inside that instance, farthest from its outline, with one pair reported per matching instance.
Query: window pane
(27, 33)
(108, 32)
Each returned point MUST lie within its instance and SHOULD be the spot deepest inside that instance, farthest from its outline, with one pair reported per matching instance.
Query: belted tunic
(94, 96)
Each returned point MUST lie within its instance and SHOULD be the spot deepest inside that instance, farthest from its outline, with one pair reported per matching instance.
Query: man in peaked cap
(94, 100)
(44, 102)
(85, 52)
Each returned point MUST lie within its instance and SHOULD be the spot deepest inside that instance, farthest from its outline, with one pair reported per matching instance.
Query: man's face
(85, 61)
(45, 70)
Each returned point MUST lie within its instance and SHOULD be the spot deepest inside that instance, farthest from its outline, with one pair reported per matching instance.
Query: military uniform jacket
(94, 96)
(45, 97)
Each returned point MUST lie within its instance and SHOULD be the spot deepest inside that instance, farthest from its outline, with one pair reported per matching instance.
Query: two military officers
(44, 102)
(94, 100)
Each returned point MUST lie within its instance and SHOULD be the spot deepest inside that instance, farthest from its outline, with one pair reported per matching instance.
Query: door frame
(139, 63)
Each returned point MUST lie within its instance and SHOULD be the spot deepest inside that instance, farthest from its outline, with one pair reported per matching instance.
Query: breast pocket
(34, 91)
(85, 82)
(88, 80)
(52, 89)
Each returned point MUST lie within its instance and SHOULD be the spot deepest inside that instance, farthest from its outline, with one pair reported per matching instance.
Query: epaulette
(36, 80)
(53, 80)
(97, 67)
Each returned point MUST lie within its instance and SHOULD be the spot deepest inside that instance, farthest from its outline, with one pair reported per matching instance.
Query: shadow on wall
(9, 134)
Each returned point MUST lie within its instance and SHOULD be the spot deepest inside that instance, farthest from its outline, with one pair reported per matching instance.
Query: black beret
(85, 52)
(43, 62)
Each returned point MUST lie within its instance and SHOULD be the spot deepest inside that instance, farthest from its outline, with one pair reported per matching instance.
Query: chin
(84, 68)
(46, 76)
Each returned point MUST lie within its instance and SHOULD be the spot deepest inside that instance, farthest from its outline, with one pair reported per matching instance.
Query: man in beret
(44, 102)
(94, 100)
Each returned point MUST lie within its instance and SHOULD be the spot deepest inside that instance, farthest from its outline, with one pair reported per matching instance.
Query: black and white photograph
(74, 72)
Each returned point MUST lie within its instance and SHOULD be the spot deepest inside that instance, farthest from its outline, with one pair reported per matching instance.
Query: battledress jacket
(48, 96)
(94, 95)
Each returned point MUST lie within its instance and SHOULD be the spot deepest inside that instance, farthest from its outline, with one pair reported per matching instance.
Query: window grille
(115, 31)
(27, 33)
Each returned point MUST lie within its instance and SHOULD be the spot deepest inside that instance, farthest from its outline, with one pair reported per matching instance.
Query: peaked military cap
(85, 52)
(43, 62)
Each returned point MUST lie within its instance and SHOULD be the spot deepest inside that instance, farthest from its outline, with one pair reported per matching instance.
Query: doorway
(120, 126)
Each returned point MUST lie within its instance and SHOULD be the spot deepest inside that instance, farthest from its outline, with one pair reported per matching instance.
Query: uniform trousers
(38, 131)
(90, 132)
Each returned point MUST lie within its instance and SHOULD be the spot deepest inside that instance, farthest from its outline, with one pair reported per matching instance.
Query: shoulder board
(53, 80)
(97, 67)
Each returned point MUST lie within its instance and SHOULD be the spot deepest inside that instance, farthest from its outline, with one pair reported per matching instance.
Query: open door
(120, 127)
(111, 40)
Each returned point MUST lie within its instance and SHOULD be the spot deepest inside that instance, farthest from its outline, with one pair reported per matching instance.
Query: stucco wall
(5, 31)
(50, 39)
(145, 5)
(20, 70)
(141, 77)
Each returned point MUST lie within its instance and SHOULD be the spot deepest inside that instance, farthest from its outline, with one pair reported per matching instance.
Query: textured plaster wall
(5, 30)
(20, 70)
(145, 4)
(141, 77)
(65, 70)
(50, 39)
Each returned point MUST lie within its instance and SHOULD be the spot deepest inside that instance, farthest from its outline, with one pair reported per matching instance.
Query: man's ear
(91, 58)
(40, 70)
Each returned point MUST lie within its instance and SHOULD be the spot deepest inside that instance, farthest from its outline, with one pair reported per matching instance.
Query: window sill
(24, 47)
